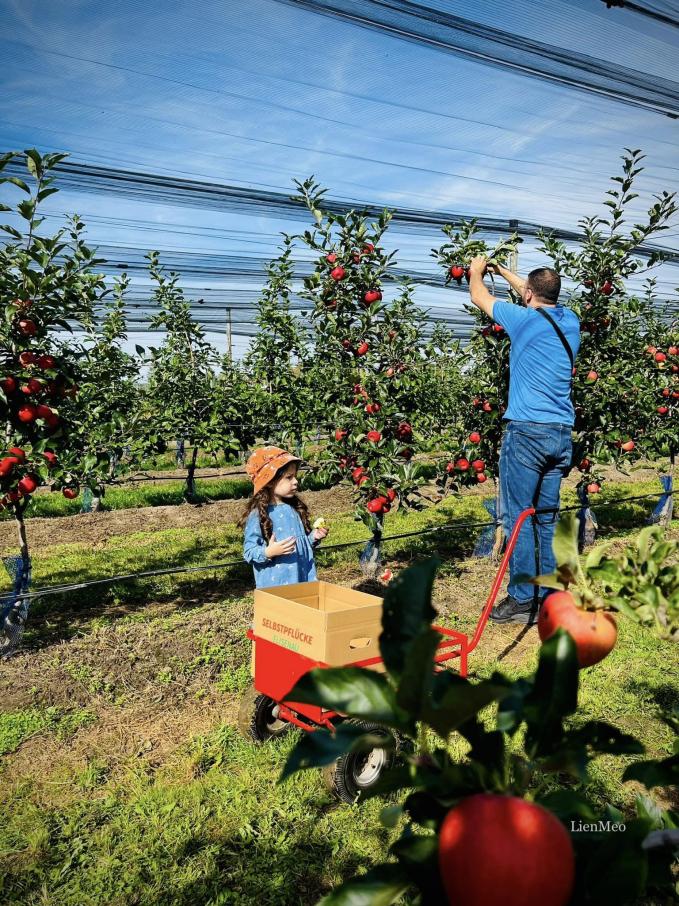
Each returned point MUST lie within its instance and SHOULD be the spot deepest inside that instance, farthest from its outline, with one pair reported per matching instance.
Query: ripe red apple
(363, 348)
(462, 464)
(450, 467)
(356, 257)
(662, 410)
(331, 258)
(673, 350)
(27, 327)
(592, 376)
(607, 288)
(51, 458)
(374, 436)
(675, 394)
(357, 473)
(585, 465)
(377, 504)
(660, 356)
(46, 362)
(391, 495)
(594, 631)
(487, 407)
(9, 385)
(27, 358)
(498, 328)
(593, 487)
(338, 273)
(340, 434)
(368, 248)
(7, 464)
(34, 385)
(404, 431)
(588, 283)
(495, 848)
(666, 391)
(70, 493)
(390, 372)
(478, 465)
(372, 295)
(331, 303)
(346, 344)
(27, 413)
(485, 332)
(481, 477)
(675, 369)
(457, 272)
(651, 350)
(476, 402)
(628, 446)
(392, 334)
(406, 453)
(14, 496)
(27, 484)
(475, 437)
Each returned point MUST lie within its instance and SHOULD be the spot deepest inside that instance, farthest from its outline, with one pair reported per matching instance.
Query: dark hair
(546, 283)
(261, 500)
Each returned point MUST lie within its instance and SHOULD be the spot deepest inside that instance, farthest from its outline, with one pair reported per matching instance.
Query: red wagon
(266, 711)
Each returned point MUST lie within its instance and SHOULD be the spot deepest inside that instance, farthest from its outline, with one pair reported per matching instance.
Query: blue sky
(256, 92)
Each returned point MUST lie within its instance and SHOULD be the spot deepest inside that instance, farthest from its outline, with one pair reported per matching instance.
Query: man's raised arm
(479, 294)
(516, 283)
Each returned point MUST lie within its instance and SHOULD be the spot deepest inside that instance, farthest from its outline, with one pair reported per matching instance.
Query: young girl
(279, 540)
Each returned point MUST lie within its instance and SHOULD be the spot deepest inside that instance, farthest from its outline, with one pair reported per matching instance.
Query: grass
(124, 779)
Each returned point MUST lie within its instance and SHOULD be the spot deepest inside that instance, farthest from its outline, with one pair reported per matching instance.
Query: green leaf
(407, 613)
(322, 747)
(618, 868)
(565, 543)
(16, 182)
(352, 691)
(380, 886)
(554, 694)
(418, 673)
(458, 700)
(418, 855)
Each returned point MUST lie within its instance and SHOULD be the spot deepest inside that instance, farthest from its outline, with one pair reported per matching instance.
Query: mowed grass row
(100, 822)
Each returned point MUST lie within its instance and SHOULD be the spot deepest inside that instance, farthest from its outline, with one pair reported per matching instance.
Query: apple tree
(49, 287)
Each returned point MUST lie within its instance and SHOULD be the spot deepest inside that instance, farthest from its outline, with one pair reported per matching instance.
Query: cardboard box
(321, 621)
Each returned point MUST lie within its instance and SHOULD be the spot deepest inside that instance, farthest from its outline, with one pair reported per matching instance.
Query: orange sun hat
(265, 462)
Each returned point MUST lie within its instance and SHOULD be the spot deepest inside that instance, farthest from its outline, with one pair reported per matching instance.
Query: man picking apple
(536, 446)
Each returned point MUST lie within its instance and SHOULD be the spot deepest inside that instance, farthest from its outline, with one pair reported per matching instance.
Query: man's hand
(478, 265)
(280, 548)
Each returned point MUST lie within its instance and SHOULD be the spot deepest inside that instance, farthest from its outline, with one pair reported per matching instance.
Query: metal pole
(228, 334)
(514, 257)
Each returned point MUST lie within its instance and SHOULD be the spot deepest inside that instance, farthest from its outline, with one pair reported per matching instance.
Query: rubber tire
(340, 776)
(255, 720)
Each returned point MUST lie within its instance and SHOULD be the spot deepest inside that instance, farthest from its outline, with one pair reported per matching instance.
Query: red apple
(7, 464)
(34, 385)
(357, 472)
(651, 350)
(391, 495)
(607, 288)
(331, 258)
(660, 356)
(27, 484)
(673, 350)
(585, 465)
(478, 465)
(363, 348)
(487, 407)
(502, 849)
(338, 273)
(481, 477)
(592, 376)
(462, 464)
(628, 446)
(406, 453)
(70, 493)
(666, 391)
(51, 458)
(346, 344)
(457, 272)
(27, 358)
(593, 487)
(498, 328)
(9, 385)
(27, 413)
(662, 410)
(450, 467)
(372, 295)
(331, 303)
(27, 327)
(389, 372)
(340, 434)
(594, 632)
(46, 362)
(368, 248)
(404, 431)
(376, 505)
(475, 437)
(374, 436)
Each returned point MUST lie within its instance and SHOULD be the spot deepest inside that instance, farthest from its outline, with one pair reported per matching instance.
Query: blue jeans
(533, 459)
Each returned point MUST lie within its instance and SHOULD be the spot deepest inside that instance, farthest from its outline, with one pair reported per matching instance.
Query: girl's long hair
(261, 500)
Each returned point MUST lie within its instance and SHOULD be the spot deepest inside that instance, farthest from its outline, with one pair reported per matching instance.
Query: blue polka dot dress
(298, 566)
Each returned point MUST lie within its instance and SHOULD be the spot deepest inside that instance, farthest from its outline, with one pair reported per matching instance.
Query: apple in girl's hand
(320, 529)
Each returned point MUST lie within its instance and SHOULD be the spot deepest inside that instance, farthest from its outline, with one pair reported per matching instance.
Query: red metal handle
(511, 544)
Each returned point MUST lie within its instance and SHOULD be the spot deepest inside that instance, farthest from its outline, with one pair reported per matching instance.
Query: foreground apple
(593, 631)
(502, 849)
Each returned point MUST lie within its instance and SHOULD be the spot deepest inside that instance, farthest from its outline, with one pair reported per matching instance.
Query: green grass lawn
(124, 778)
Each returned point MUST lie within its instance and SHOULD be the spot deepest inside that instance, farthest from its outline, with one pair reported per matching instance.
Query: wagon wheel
(258, 718)
(356, 772)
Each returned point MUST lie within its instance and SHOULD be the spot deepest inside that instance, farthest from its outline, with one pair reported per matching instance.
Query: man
(536, 447)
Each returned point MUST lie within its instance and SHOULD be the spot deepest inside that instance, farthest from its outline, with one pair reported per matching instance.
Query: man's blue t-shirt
(539, 367)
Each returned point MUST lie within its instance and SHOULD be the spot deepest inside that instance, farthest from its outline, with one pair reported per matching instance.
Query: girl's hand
(280, 548)
(320, 533)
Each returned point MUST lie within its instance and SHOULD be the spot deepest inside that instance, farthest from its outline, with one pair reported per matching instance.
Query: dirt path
(93, 528)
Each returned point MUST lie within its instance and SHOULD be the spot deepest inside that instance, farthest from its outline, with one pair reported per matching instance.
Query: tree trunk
(190, 494)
